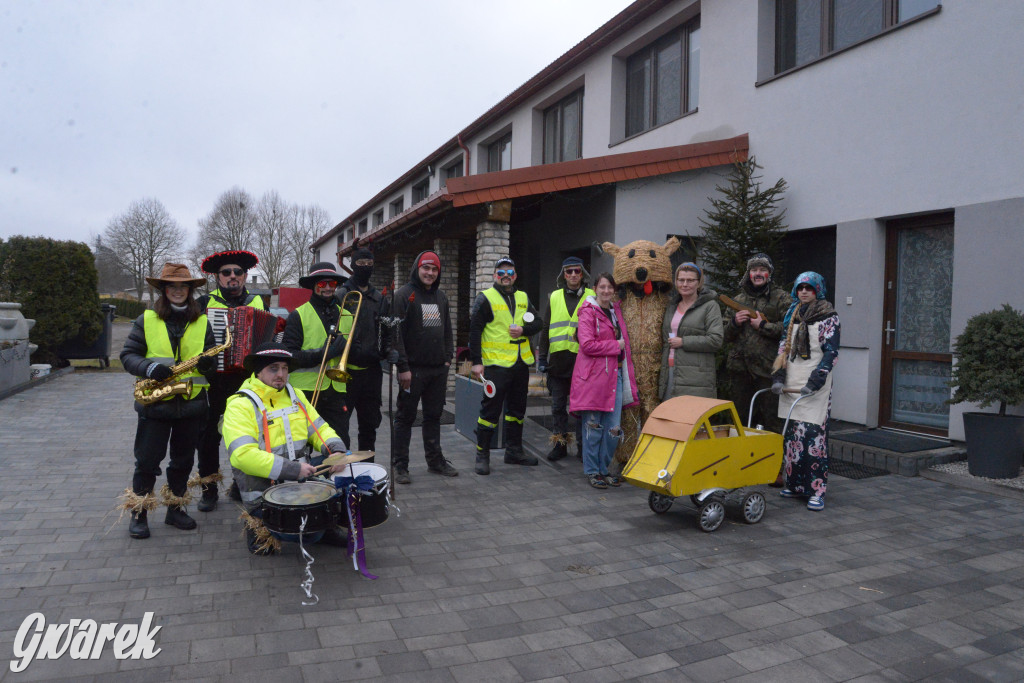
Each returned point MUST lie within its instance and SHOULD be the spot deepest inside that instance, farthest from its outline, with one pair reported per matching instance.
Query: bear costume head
(643, 266)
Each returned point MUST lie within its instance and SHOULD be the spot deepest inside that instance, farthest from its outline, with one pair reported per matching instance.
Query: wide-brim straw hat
(246, 260)
(176, 272)
(324, 270)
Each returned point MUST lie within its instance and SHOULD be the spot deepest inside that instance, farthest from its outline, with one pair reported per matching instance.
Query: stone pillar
(403, 266)
(491, 244)
(448, 251)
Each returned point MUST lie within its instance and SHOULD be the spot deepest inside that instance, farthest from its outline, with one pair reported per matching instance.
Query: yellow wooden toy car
(697, 447)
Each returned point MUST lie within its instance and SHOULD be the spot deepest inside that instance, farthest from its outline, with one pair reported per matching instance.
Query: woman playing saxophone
(167, 337)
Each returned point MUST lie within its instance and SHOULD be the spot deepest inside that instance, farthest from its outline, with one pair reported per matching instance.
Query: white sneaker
(816, 503)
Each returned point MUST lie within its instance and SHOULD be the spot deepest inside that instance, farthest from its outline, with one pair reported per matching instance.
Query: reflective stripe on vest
(252, 301)
(287, 449)
(314, 336)
(496, 346)
(559, 337)
(158, 347)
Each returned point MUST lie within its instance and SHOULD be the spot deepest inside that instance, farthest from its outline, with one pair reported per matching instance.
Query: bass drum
(374, 505)
(286, 504)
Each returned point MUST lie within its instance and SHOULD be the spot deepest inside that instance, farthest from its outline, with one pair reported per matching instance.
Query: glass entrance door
(916, 358)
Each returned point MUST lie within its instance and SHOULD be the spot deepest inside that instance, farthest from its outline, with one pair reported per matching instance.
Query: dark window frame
(496, 146)
(827, 31)
(396, 207)
(378, 217)
(363, 227)
(453, 170)
(683, 34)
(557, 111)
(421, 191)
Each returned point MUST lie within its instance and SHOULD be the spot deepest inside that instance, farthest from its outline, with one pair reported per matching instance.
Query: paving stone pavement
(528, 574)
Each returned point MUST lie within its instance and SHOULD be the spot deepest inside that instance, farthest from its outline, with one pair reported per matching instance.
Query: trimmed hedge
(126, 308)
(56, 284)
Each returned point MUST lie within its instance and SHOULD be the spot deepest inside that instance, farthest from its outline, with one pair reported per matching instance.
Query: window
(808, 29)
(346, 235)
(362, 227)
(378, 217)
(420, 191)
(499, 154)
(663, 79)
(563, 129)
(396, 207)
(450, 171)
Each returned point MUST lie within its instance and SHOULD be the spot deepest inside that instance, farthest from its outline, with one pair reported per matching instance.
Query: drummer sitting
(263, 453)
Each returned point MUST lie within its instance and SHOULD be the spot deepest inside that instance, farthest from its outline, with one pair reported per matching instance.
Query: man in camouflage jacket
(755, 341)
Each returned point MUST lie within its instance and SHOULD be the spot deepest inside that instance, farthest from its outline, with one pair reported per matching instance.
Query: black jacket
(424, 337)
(368, 346)
(133, 359)
(294, 336)
(481, 314)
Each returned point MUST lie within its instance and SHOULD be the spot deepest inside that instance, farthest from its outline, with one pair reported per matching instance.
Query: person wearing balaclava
(754, 341)
(369, 346)
(307, 337)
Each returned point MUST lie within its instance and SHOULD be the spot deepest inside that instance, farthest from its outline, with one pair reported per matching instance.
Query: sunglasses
(326, 284)
(226, 272)
(506, 273)
(573, 271)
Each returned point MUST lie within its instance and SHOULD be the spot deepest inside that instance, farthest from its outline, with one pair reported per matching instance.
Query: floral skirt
(806, 457)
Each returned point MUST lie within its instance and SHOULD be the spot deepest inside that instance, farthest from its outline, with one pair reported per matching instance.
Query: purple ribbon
(355, 525)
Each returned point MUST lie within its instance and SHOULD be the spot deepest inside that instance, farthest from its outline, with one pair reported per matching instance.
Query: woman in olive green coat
(692, 326)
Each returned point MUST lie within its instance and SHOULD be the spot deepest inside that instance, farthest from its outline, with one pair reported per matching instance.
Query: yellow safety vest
(562, 329)
(314, 336)
(496, 346)
(158, 347)
(255, 301)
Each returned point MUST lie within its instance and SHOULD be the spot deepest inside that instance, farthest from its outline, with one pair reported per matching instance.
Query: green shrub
(126, 308)
(55, 281)
(990, 360)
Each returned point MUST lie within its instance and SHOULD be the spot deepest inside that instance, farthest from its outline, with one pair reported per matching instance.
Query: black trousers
(511, 386)
(221, 387)
(559, 388)
(363, 395)
(152, 437)
(766, 410)
(333, 409)
(429, 384)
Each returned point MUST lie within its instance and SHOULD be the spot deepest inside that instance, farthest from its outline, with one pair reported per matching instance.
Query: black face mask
(361, 275)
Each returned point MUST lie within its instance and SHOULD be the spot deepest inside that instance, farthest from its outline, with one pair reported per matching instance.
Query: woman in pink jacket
(603, 382)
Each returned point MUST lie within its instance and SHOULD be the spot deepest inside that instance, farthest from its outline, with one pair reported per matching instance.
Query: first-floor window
(563, 129)
(499, 154)
(663, 79)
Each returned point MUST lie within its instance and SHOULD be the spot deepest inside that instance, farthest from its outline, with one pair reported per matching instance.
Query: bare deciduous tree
(230, 225)
(142, 239)
(111, 276)
(275, 221)
(310, 222)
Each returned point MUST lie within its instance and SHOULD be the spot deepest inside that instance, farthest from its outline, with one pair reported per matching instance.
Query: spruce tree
(743, 221)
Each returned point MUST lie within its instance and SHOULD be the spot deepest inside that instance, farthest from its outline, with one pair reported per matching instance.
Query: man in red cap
(231, 268)
(425, 349)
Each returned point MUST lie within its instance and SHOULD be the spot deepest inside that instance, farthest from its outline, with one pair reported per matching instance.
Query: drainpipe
(465, 167)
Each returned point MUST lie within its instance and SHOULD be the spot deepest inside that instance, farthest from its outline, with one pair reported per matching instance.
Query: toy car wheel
(711, 515)
(659, 503)
(753, 507)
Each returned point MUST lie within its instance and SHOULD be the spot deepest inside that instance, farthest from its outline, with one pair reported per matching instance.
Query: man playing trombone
(316, 335)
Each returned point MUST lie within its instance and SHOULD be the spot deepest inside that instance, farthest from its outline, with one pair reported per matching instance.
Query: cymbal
(347, 458)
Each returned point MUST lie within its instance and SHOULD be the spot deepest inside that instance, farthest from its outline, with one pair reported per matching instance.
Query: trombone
(340, 373)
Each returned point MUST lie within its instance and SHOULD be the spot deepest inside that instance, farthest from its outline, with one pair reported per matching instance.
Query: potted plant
(990, 369)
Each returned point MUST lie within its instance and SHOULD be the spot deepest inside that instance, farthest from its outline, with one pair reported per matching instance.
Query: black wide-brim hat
(324, 270)
(246, 260)
(267, 353)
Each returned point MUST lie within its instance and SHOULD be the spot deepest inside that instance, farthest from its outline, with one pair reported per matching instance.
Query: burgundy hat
(245, 260)
(429, 257)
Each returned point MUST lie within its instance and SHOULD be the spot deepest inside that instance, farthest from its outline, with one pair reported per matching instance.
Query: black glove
(778, 382)
(159, 372)
(206, 364)
(542, 368)
(814, 382)
(393, 357)
(337, 346)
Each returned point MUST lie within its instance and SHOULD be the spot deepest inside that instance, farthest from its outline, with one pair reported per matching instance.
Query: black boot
(208, 503)
(514, 454)
(139, 526)
(560, 450)
(233, 492)
(177, 517)
(483, 450)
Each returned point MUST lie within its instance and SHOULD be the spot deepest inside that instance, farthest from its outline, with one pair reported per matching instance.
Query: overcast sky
(105, 103)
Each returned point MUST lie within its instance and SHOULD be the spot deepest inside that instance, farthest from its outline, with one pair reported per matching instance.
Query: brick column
(403, 266)
(448, 251)
(491, 244)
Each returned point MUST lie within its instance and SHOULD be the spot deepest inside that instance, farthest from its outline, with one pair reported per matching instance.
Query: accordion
(250, 327)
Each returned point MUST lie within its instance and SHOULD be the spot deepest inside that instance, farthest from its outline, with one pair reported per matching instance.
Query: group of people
(274, 431)
(785, 343)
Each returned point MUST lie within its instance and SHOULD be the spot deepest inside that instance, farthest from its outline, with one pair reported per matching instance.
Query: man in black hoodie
(425, 349)
(364, 356)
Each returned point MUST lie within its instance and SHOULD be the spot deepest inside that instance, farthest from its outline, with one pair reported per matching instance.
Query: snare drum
(286, 504)
(373, 505)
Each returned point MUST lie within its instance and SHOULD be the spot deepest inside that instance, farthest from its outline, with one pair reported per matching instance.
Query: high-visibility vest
(496, 346)
(562, 329)
(314, 336)
(217, 300)
(158, 347)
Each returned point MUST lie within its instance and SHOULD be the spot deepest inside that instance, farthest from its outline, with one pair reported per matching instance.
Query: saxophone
(149, 391)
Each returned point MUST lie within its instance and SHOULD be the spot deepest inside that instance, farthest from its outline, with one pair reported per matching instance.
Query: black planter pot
(995, 444)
